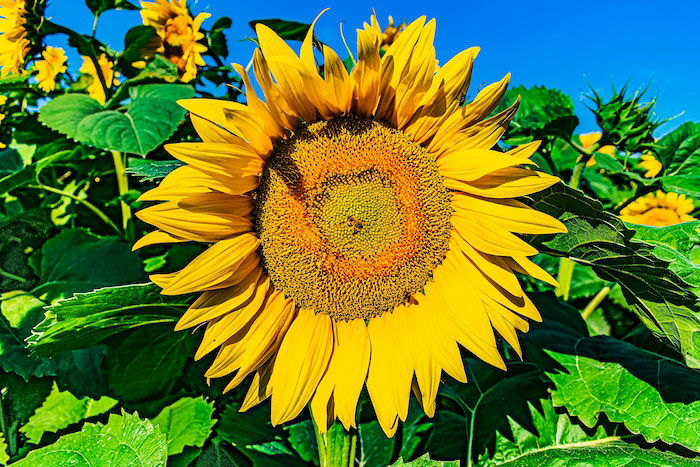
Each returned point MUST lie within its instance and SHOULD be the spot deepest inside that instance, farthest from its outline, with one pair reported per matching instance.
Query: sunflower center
(353, 217)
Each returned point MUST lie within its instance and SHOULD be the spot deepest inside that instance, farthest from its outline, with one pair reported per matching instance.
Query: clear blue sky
(564, 44)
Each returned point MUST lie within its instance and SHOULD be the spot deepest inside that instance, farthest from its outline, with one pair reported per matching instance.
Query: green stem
(336, 447)
(347, 47)
(593, 304)
(9, 437)
(94, 25)
(84, 202)
(123, 186)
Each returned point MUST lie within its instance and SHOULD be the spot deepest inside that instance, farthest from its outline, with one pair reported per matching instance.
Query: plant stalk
(593, 304)
(84, 202)
(123, 186)
(336, 447)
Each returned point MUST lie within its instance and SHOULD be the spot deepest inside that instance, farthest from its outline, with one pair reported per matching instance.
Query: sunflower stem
(123, 186)
(336, 447)
(593, 304)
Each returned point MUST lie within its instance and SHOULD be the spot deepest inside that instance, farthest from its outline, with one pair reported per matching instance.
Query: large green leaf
(60, 410)
(680, 155)
(664, 302)
(124, 440)
(76, 260)
(15, 357)
(87, 319)
(651, 395)
(149, 119)
(187, 422)
(287, 30)
(148, 361)
(549, 430)
(604, 454)
(425, 461)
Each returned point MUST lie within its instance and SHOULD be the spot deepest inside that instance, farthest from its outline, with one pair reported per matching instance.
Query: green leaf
(76, 260)
(376, 448)
(651, 395)
(148, 361)
(20, 398)
(60, 410)
(287, 30)
(303, 440)
(152, 170)
(100, 6)
(22, 310)
(549, 430)
(679, 153)
(187, 422)
(140, 41)
(87, 319)
(151, 117)
(217, 36)
(14, 356)
(4, 457)
(543, 112)
(606, 454)
(424, 461)
(124, 440)
(663, 301)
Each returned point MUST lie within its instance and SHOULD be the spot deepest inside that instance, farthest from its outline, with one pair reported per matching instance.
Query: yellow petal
(505, 183)
(260, 388)
(155, 237)
(301, 361)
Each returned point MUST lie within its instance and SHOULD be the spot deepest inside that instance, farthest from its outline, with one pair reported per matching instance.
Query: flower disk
(353, 218)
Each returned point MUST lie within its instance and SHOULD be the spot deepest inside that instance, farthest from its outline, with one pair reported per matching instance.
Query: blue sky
(568, 45)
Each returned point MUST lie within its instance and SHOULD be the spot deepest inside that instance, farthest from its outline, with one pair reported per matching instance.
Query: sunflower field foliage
(547, 313)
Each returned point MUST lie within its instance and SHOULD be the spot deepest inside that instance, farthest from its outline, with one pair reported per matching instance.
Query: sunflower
(390, 33)
(54, 62)
(361, 227)
(589, 139)
(95, 89)
(650, 164)
(179, 32)
(14, 44)
(659, 209)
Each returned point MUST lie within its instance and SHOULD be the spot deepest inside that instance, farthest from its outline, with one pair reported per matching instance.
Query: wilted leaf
(76, 260)
(60, 410)
(653, 396)
(87, 319)
(187, 422)
(151, 117)
(124, 440)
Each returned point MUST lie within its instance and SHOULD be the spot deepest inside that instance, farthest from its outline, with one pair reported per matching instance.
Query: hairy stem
(336, 447)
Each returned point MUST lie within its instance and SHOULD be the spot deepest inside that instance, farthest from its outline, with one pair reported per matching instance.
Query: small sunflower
(361, 227)
(659, 209)
(53, 63)
(95, 89)
(589, 139)
(650, 164)
(179, 32)
(14, 44)
(390, 32)
(3, 101)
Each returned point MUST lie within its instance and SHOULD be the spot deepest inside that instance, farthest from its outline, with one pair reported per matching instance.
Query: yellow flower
(14, 44)
(361, 227)
(589, 139)
(659, 209)
(54, 62)
(390, 33)
(179, 32)
(95, 88)
(651, 165)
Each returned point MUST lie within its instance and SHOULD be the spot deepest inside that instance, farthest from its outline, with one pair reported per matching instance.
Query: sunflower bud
(627, 123)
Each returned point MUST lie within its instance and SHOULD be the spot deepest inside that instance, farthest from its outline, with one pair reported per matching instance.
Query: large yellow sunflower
(659, 209)
(179, 32)
(361, 227)
(14, 44)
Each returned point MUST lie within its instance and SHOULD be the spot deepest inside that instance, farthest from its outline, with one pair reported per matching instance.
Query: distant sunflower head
(95, 89)
(14, 44)
(362, 227)
(53, 63)
(179, 33)
(659, 209)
